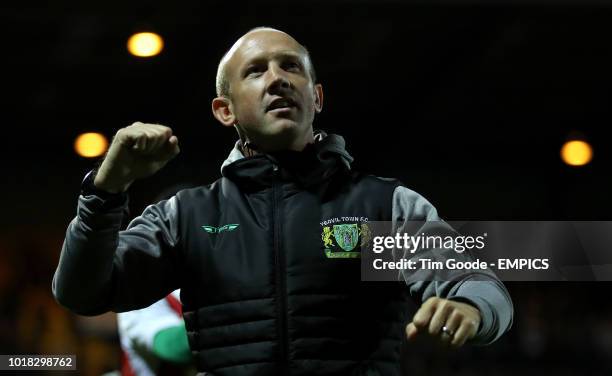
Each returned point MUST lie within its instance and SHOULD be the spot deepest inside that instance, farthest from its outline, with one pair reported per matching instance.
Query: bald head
(225, 65)
(266, 91)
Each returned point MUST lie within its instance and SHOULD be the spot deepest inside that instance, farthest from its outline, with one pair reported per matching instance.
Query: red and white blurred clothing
(137, 330)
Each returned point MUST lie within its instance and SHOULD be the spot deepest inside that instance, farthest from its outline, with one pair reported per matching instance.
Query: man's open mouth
(281, 104)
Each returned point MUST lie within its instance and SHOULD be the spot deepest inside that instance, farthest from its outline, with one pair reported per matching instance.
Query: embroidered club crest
(345, 240)
(346, 236)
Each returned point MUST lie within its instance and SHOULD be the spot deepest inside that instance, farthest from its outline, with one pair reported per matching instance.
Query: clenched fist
(451, 322)
(137, 151)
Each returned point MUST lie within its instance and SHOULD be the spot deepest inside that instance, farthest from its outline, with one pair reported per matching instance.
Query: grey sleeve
(104, 269)
(484, 291)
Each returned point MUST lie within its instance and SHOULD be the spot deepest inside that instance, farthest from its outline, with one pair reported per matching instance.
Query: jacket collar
(317, 163)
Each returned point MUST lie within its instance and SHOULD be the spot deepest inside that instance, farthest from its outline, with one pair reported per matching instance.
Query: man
(260, 293)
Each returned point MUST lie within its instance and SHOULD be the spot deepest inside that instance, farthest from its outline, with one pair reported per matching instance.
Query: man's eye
(252, 71)
(292, 66)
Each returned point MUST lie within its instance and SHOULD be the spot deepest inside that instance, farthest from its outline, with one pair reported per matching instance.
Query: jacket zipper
(281, 301)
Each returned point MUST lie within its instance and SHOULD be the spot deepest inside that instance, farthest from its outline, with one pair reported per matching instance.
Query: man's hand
(137, 151)
(460, 320)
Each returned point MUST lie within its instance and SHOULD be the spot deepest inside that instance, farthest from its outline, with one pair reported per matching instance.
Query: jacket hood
(316, 163)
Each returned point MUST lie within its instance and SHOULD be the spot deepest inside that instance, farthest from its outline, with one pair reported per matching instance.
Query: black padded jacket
(264, 291)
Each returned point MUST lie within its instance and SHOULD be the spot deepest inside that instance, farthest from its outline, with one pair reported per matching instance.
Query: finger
(445, 338)
(162, 135)
(173, 144)
(140, 142)
(423, 315)
(134, 125)
(466, 331)
(454, 321)
(124, 139)
(158, 140)
(144, 136)
(411, 331)
(452, 324)
(171, 150)
(167, 131)
(439, 318)
(131, 131)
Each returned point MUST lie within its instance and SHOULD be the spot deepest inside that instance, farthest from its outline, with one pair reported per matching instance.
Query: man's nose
(278, 79)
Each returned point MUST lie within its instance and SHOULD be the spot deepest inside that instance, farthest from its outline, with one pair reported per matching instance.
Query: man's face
(272, 94)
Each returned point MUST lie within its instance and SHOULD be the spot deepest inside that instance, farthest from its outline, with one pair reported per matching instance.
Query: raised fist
(137, 151)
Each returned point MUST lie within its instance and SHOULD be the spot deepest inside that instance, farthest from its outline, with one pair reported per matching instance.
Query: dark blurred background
(467, 102)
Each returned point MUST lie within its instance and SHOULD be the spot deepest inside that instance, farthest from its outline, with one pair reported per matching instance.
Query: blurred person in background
(154, 339)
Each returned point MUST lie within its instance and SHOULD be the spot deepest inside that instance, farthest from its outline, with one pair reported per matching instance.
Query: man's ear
(318, 91)
(222, 110)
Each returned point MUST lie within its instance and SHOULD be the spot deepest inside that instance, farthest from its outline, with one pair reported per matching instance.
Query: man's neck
(250, 149)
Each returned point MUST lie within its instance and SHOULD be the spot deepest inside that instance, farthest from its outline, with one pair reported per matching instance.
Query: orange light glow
(145, 44)
(576, 153)
(90, 145)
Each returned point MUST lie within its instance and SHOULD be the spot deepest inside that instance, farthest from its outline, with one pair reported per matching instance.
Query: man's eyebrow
(281, 54)
(291, 54)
